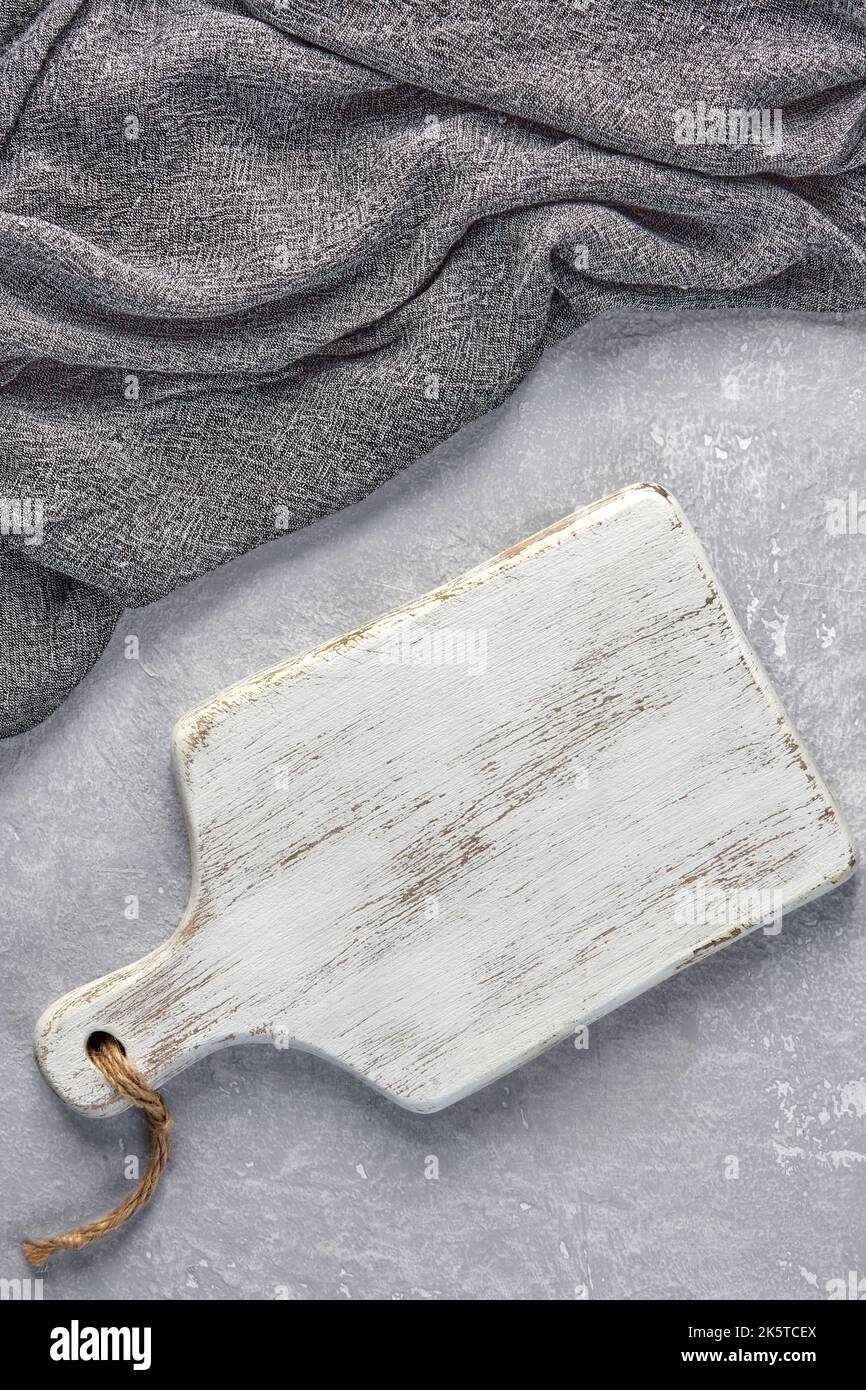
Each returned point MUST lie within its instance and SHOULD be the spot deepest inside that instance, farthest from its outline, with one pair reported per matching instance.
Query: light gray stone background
(598, 1173)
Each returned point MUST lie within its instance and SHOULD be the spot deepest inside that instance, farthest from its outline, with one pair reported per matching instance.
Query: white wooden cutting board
(432, 848)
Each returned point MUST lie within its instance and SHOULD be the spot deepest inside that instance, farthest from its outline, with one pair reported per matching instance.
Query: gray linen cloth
(256, 257)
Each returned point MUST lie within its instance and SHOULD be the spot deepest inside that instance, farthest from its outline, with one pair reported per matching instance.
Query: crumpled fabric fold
(255, 258)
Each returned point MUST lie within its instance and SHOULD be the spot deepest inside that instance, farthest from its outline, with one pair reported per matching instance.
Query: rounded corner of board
(656, 494)
(190, 735)
(852, 858)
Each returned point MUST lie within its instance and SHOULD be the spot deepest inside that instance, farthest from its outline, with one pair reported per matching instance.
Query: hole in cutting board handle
(96, 1040)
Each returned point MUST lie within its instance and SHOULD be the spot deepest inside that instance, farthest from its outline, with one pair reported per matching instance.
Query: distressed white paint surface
(432, 872)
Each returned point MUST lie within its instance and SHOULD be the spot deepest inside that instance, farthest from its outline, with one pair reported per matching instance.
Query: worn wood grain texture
(430, 849)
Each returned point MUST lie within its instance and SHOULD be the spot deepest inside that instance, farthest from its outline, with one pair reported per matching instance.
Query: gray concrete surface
(710, 1141)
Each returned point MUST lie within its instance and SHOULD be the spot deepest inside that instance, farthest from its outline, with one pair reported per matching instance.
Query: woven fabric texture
(256, 257)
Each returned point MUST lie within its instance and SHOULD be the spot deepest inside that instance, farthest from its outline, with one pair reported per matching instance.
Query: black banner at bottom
(59, 1338)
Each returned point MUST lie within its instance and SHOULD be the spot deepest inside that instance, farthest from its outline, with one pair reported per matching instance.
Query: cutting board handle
(155, 1008)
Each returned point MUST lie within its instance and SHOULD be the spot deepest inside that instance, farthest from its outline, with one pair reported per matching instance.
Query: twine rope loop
(109, 1057)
